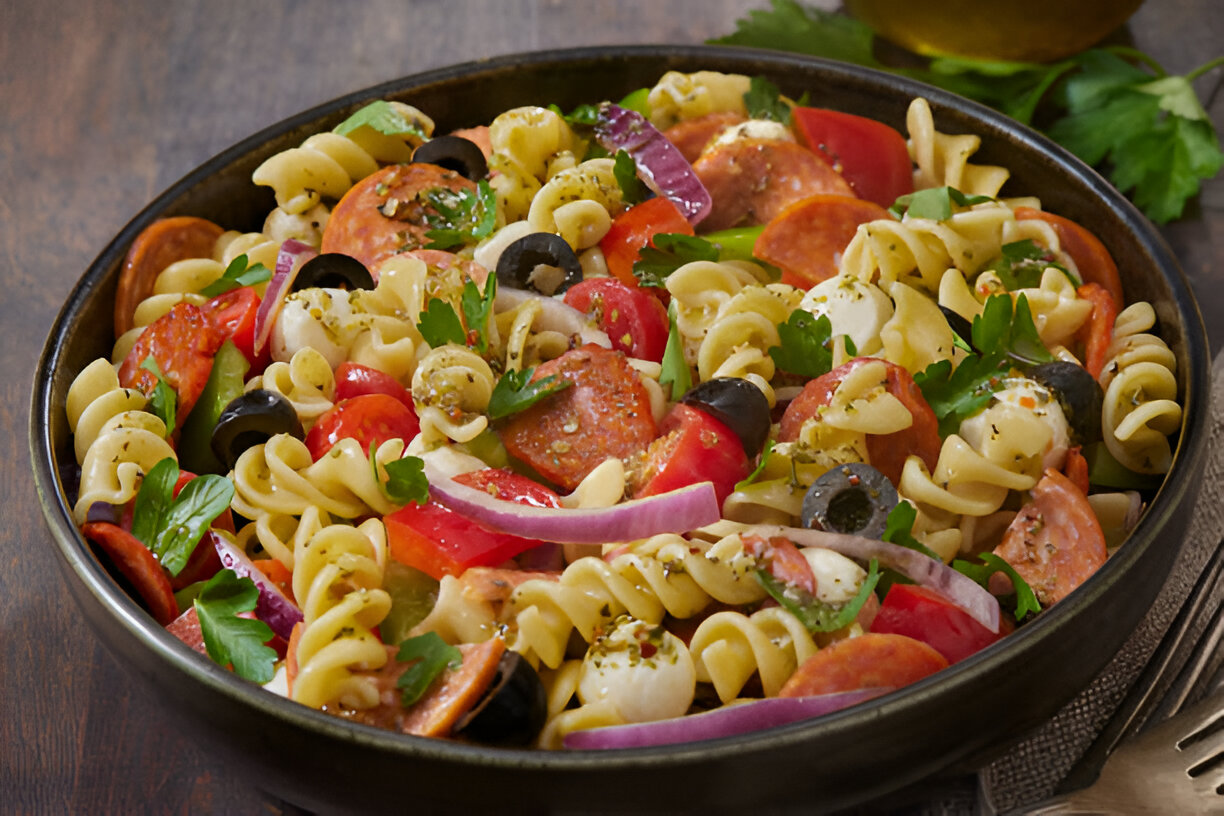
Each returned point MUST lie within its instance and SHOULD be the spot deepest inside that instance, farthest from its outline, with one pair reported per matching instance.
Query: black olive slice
(516, 268)
(1078, 393)
(454, 153)
(333, 270)
(512, 710)
(958, 324)
(854, 498)
(251, 419)
(736, 403)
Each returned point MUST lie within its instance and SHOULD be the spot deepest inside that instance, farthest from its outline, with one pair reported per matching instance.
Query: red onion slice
(728, 721)
(660, 163)
(676, 512)
(293, 253)
(273, 608)
(959, 589)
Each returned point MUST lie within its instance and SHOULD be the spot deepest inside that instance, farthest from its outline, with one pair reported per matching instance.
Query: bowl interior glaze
(956, 718)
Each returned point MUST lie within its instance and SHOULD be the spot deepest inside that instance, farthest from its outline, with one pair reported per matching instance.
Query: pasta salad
(646, 422)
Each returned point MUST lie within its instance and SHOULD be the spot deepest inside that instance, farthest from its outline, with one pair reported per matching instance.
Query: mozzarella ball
(854, 307)
(645, 671)
(837, 577)
(323, 319)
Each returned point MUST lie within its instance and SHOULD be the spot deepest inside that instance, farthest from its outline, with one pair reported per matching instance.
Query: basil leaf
(228, 638)
(431, 655)
(153, 500)
(198, 504)
(759, 469)
(163, 402)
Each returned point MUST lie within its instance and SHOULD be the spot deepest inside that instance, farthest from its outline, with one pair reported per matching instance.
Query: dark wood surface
(102, 105)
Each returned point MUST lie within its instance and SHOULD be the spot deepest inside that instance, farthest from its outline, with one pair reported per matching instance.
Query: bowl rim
(172, 654)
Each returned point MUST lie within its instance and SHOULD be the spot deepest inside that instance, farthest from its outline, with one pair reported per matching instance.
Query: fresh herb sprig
(171, 526)
(806, 346)
(1116, 108)
(460, 217)
(1002, 337)
(814, 614)
(668, 252)
(430, 655)
(239, 273)
(230, 638)
(515, 391)
(1024, 601)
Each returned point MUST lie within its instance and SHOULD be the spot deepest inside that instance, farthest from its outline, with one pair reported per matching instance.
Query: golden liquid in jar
(1025, 30)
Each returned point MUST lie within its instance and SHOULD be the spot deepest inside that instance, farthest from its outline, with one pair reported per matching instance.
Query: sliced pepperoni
(807, 238)
(386, 212)
(183, 342)
(452, 694)
(783, 560)
(138, 565)
(165, 241)
(1055, 542)
(887, 452)
(753, 180)
(1093, 260)
(693, 135)
(870, 660)
(605, 413)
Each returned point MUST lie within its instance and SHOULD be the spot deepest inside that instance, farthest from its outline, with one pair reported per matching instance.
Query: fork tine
(1188, 722)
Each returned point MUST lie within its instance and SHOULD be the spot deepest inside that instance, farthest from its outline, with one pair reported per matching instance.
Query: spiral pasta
(678, 96)
(943, 159)
(1140, 408)
(529, 145)
(729, 648)
(337, 580)
(451, 388)
(326, 165)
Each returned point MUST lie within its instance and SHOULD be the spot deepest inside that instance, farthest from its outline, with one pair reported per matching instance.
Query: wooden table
(104, 104)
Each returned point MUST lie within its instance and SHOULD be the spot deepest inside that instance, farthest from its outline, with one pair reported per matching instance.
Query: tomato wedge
(923, 614)
(871, 660)
(355, 380)
(692, 447)
(806, 240)
(233, 312)
(1055, 542)
(870, 155)
(634, 320)
(371, 419)
(887, 452)
(1093, 260)
(1097, 332)
(635, 229)
(438, 541)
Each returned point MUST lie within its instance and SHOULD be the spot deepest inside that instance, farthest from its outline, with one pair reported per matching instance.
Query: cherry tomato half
(635, 229)
(870, 155)
(634, 320)
(233, 312)
(693, 447)
(924, 614)
(355, 380)
(369, 418)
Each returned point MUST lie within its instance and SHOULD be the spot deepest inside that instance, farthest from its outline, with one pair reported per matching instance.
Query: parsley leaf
(670, 251)
(383, 117)
(439, 324)
(237, 274)
(477, 308)
(936, 203)
(163, 402)
(1026, 602)
(460, 216)
(791, 26)
(764, 101)
(1002, 336)
(170, 526)
(1145, 129)
(228, 638)
(1022, 263)
(431, 655)
(674, 369)
(814, 614)
(516, 391)
(624, 169)
(405, 480)
(806, 345)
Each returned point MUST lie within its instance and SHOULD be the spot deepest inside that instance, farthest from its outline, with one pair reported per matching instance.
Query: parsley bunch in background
(1115, 108)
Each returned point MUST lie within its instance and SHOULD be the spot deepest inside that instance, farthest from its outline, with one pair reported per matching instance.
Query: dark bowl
(954, 719)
